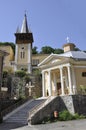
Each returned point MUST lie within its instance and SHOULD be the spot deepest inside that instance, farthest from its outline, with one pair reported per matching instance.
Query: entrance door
(58, 88)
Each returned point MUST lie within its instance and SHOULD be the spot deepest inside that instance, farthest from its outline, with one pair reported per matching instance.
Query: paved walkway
(67, 125)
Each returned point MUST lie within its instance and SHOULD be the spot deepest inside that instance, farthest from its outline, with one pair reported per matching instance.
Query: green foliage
(47, 50)
(8, 44)
(34, 50)
(58, 51)
(20, 73)
(36, 72)
(65, 115)
(5, 74)
(76, 49)
(21, 88)
(82, 89)
(27, 78)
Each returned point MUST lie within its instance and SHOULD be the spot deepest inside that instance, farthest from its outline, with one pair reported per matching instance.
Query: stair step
(20, 115)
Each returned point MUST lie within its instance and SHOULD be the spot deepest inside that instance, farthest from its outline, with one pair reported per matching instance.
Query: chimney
(68, 47)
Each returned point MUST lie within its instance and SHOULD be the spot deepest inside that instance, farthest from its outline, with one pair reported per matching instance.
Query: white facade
(59, 75)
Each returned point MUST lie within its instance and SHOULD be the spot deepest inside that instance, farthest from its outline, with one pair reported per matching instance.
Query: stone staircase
(20, 115)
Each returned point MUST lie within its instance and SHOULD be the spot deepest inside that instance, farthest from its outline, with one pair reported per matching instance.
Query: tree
(47, 50)
(58, 51)
(76, 49)
(8, 44)
(34, 50)
(20, 73)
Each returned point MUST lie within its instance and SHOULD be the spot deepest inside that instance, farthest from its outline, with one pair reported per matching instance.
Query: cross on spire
(68, 39)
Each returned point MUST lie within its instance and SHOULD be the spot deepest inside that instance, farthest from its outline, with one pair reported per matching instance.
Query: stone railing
(41, 105)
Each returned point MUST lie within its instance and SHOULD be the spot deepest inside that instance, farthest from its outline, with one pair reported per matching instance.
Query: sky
(51, 21)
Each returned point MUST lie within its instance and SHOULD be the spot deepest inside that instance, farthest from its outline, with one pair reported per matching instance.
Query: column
(74, 81)
(62, 81)
(49, 83)
(69, 78)
(55, 87)
(43, 84)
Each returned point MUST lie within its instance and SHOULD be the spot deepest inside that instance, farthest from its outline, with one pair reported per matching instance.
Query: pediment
(52, 59)
(55, 60)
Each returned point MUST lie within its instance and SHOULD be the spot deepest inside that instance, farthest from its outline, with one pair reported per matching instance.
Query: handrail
(36, 107)
(39, 106)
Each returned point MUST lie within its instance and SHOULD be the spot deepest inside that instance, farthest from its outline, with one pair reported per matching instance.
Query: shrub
(20, 73)
(5, 74)
(77, 116)
(65, 115)
(27, 78)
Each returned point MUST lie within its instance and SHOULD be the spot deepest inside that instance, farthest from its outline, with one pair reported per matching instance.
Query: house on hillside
(8, 59)
(63, 74)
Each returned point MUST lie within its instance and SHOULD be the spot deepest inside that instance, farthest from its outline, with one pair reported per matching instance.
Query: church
(62, 74)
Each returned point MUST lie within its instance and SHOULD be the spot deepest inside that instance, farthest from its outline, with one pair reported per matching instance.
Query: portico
(58, 81)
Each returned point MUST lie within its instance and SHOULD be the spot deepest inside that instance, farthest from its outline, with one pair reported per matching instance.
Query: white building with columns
(63, 74)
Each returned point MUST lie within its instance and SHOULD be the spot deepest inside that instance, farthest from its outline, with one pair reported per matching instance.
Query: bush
(5, 74)
(65, 115)
(77, 116)
(20, 73)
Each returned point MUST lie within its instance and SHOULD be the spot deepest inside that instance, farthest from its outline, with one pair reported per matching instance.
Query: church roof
(24, 28)
(75, 54)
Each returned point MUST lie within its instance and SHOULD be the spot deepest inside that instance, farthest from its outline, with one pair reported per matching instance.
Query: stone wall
(74, 104)
(79, 102)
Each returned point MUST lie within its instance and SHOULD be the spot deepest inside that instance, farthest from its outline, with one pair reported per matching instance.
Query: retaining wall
(74, 104)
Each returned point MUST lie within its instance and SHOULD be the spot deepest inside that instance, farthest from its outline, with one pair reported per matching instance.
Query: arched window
(22, 53)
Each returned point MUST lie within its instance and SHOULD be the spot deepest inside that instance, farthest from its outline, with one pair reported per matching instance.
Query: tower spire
(24, 39)
(24, 28)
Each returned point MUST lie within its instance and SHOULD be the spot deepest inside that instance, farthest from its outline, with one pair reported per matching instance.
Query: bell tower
(23, 50)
